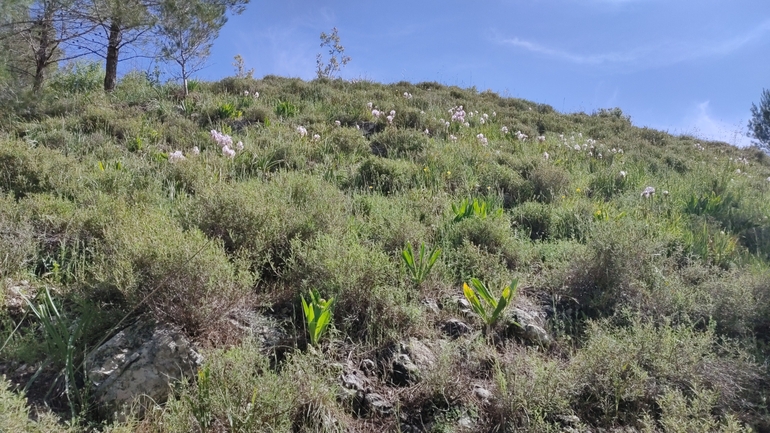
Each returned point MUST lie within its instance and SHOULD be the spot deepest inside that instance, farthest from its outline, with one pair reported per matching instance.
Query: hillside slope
(641, 258)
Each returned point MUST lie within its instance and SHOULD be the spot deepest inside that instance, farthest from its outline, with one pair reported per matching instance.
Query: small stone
(482, 394)
(405, 371)
(455, 328)
(353, 380)
(431, 305)
(378, 404)
(369, 367)
(568, 419)
(465, 423)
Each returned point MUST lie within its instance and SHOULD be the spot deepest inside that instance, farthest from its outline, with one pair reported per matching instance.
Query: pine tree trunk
(111, 66)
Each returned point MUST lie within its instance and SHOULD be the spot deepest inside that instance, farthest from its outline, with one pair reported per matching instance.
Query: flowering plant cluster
(225, 142)
(176, 157)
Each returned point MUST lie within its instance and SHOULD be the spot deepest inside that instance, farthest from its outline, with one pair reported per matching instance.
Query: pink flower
(337, 123)
(482, 139)
(228, 152)
(302, 131)
(390, 119)
(239, 146)
(376, 113)
(316, 137)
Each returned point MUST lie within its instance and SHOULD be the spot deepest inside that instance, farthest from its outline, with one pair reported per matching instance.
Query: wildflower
(176, 156)
(599, 155)
(393, 113)
(485, 116)
(390, 119)
(665, 193)
(239, 145)
(580, 134)
(494, 114)
(768, 179)
(737, 171)
(407, 95)
(441, 120)
(482, 121)
(623, 174)
(546, 156)
(453, 138)
(369, 105)
(256, 95)
(467, 124)
(426, 131)
(446, 124)
(245, 93)
(541, 138)
(228, 152)
(483, 140)
(337, 123)
(316, 137)
(577, 147)
(221, 139)
(196, 151)
(504, 129)
(376, 113)
(648, 192)
(302, 131)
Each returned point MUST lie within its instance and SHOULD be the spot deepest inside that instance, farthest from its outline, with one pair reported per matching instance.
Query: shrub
(627, 372)
(548, 182)
(395, 142)
(370, 306)
(385, 175)
(16, 239)
(187, 280)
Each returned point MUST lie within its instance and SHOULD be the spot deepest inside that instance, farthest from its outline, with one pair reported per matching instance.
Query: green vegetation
(646, 255)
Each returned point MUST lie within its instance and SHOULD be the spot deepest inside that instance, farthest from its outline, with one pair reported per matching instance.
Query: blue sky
(686, 66)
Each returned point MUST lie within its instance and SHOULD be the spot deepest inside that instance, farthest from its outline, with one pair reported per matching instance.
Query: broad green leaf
(474, 300)
(484, 292)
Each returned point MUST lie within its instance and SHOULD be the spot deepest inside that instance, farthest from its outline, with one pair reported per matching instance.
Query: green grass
(659, 307)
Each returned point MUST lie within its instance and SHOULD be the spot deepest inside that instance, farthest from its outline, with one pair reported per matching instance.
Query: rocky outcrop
(142, 360)
(529, 326)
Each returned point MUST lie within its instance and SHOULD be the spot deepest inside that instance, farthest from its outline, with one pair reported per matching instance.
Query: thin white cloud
(702, 124)
(647, 55)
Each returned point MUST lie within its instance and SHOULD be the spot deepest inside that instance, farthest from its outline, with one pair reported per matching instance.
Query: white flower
(768, 179)
(245, 93)
(665, 193)
(482, 121)
(256, 95)
(504, 129)
(426, 131)
(228, 152)
(541, 138)
(176, 156)
(485, 116)
(623, 174)
(221, 139)
(376, 113)
(648, 192)
(482, 139)
(337, 123)
(446, 124)
(393, 113)
(407, 95)
(494, 114)
(196, 151)
(390, 119)
(453, 138)
(546, 155)
(467, 124)
(316, 137)
(239, 145)
(369, 105)
(302, 131)
(577, 147)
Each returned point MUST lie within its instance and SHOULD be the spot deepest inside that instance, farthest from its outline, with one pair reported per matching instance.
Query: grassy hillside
(657, 304)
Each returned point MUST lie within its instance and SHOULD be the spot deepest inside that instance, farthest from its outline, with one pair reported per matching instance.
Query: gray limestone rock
(141, 360)
(528, 326)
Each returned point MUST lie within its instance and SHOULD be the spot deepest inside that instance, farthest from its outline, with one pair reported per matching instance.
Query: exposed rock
(354, 380)
(405, 371)
(455, 328)
(377, 404)
(412, 356)
(431, 305)
(15, 294)
(420, 354)
(264, 330)
(568, 419)
(528, 326)
(369, 367)
(465, 423)
(141, 360)
(482, 394)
